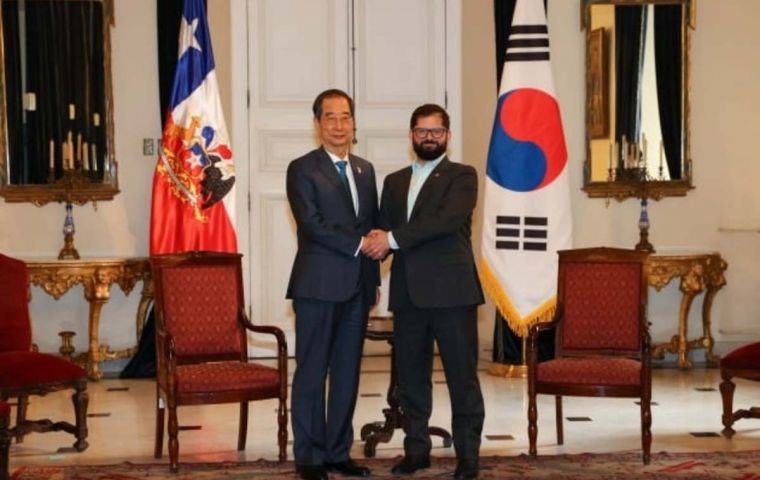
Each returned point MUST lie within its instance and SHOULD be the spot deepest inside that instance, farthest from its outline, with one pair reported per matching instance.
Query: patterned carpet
(692, 466)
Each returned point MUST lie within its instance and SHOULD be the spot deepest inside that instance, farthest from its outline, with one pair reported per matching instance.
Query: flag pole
(520, 371)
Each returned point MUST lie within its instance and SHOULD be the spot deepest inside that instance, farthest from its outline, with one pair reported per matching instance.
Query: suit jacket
(329, 231)
(434, 266)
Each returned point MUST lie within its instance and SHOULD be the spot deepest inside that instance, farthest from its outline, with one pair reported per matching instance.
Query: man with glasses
(333, 197)
(426, 217)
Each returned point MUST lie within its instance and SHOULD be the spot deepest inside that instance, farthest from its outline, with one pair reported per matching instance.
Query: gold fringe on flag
(520, 325)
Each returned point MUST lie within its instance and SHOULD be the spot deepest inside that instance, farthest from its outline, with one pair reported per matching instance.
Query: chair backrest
(602, 294)
(198, 297)
(15, 324)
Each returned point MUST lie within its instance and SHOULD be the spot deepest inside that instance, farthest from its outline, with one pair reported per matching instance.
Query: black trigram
(527, 43)
(526, 233)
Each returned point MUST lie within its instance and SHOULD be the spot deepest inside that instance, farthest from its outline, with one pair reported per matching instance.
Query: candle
(52, 154)
(72, 111)
(96, 119)
(70, 149)
(30, 101)
(661, 155)
(64, 161)
(85, 157)
(94, 157)
(612, 148)
(79, 147)
(644, 147)
(625, 152)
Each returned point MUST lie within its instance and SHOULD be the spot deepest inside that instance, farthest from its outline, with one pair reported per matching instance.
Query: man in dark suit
(333, 197)
(426, 216)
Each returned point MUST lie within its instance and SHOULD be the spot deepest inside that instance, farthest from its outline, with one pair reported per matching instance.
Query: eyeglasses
(436, 133)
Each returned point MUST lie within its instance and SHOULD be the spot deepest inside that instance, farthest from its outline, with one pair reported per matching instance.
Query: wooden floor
(686, 417)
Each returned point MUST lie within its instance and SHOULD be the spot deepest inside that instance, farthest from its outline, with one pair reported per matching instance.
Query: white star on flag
(187, 36)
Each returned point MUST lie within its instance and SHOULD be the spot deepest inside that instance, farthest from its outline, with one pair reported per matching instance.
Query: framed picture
(599, 80)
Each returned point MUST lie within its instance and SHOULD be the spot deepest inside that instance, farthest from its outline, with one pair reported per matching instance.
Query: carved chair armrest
(166, 351)
(532, 343)
(282, 344)
(646, 346)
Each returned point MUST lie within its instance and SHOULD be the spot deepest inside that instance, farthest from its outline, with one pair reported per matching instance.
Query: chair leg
(532, 422)
(5, 445)
(727, 388)
(158, 449)
(243, 426)
(21, 405)
(560, 424)
(646, 424)
(173, 439)
(81, 400)
(282, 432)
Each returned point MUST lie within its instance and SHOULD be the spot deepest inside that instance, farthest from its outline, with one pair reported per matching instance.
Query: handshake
(375, 244)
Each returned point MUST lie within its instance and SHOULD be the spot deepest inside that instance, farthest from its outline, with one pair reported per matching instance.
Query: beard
(429, 149)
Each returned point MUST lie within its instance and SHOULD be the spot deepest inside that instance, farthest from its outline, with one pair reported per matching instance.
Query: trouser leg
(344, 368)
(414, 364)
(456, 333)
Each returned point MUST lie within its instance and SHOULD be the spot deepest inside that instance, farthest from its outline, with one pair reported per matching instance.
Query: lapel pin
(359, 169)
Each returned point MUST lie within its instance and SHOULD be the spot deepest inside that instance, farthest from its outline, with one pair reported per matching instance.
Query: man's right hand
(375, 244)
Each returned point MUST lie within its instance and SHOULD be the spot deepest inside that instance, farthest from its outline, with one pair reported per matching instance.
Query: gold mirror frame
(621, 189)
(70, 190)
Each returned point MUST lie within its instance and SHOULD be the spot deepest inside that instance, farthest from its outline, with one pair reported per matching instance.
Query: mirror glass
(56, 142)
(637, 97)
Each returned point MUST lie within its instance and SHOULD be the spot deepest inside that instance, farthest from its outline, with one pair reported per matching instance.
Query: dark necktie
(341, 164)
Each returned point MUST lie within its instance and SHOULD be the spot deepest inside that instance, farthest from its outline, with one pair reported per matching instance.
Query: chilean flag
(193, 204)
(527, 215)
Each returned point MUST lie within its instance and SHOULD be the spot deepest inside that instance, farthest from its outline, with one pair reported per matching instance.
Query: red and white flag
(193, 205)
(527, 215)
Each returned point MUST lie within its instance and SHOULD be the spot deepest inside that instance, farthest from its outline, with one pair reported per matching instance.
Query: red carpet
(692, 466)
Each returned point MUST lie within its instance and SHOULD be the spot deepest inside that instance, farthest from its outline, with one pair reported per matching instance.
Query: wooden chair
(5, 439)
(24, 371)
(744, 362)
(201, 344)
(602, 336)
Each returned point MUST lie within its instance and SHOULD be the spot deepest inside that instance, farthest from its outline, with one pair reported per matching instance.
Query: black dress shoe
(410, 464)
(467, 469)
(311, 472)
(348, 468)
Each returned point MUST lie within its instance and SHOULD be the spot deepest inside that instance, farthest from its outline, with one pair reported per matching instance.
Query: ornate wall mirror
(56, 120)
(637, 97)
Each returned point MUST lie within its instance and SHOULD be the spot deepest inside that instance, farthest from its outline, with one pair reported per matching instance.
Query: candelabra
(644, 244)
(68, 251)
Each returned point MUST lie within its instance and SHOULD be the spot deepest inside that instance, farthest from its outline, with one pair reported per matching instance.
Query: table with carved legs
(381, 328)
(56, 277)
(698, 273)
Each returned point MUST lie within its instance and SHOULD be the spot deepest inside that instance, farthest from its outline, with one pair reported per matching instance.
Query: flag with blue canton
(193, 205)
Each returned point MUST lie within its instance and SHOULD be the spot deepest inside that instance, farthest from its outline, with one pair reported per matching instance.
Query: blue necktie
(341, 164)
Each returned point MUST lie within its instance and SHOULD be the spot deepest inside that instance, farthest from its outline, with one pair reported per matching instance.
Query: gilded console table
(698, 273)
(56, 277)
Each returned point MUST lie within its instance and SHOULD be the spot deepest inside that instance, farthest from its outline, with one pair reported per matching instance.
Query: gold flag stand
(509, 370)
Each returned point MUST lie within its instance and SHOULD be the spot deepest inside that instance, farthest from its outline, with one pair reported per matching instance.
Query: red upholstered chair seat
(590, 371)
(746, 357)
(27, 369)
(228, 376)
(744, 362)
